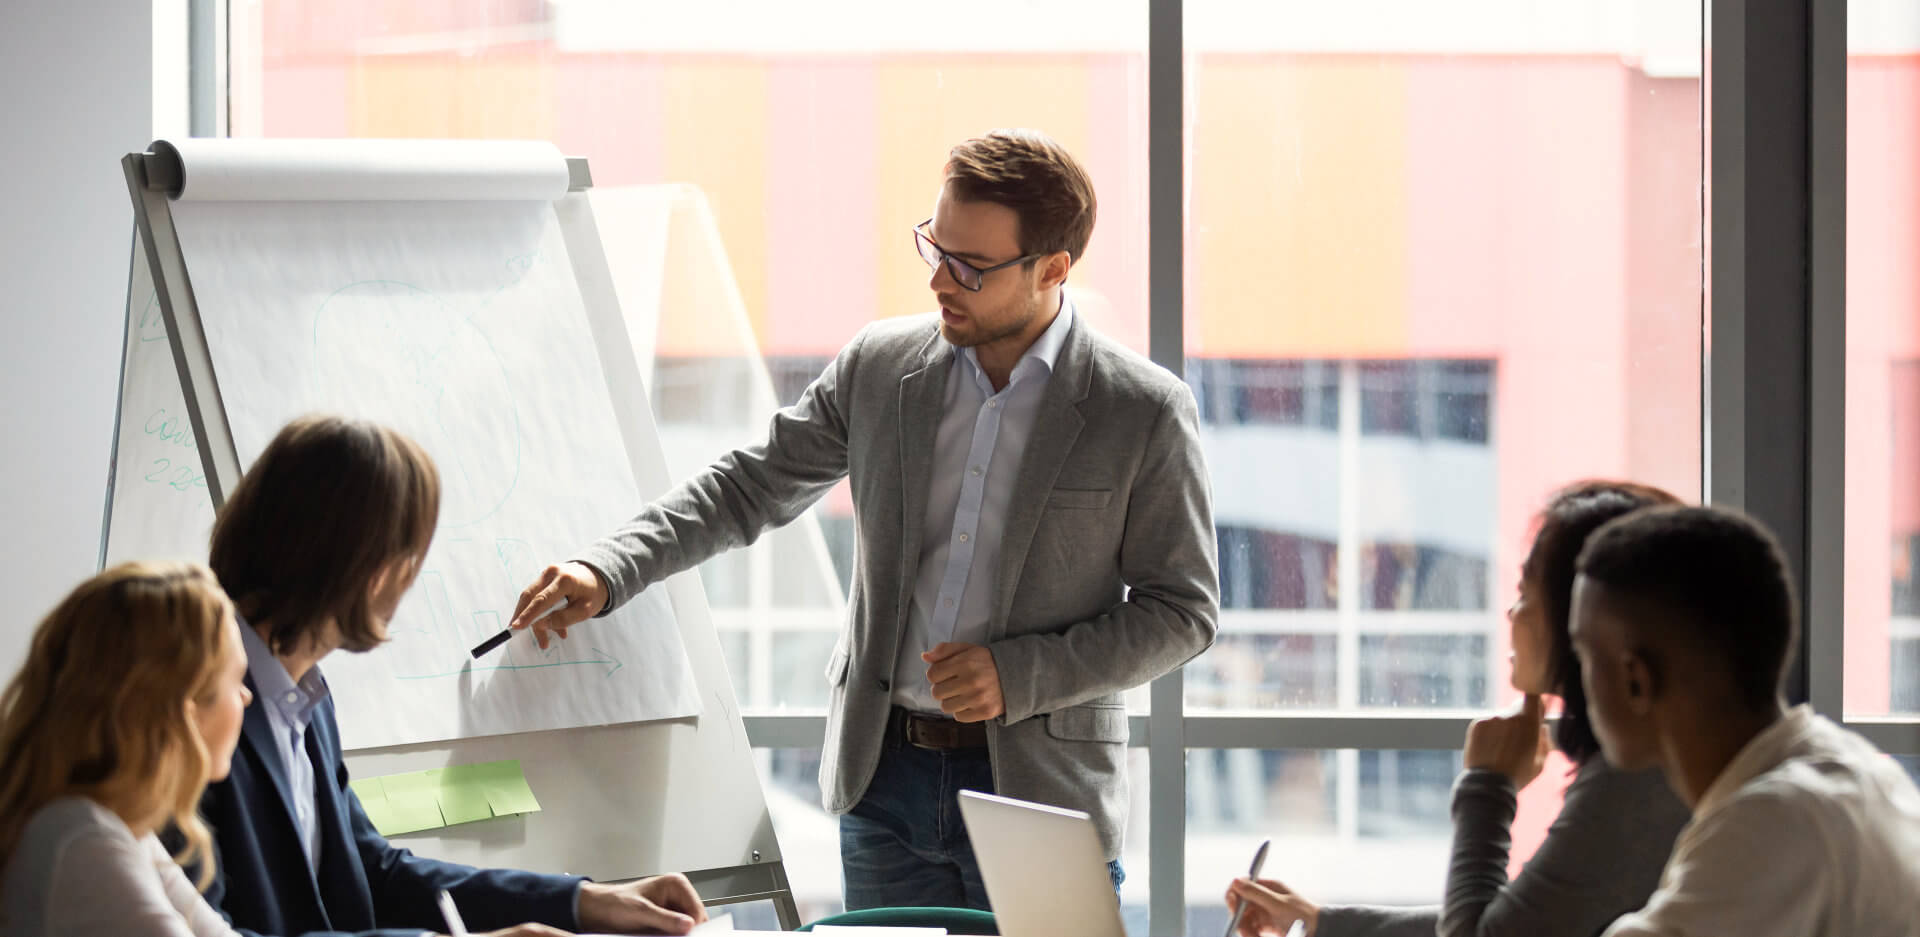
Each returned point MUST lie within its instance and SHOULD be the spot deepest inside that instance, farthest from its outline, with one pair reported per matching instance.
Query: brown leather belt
(935, 733)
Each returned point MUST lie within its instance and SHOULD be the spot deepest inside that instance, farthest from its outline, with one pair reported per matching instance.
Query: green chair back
(955, 920)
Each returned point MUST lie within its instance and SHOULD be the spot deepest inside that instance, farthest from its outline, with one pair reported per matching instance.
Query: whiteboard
(619, 800)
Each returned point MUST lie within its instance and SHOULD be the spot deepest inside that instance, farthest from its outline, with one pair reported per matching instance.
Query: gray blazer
(1107, 573)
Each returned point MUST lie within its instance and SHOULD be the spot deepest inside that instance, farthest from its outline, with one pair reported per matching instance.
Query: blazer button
(886, 687)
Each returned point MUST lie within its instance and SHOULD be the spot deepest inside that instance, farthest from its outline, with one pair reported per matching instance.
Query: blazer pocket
(1100, 722)
(1089, 499)
(837, 666)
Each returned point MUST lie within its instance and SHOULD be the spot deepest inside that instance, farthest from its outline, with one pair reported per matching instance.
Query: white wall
(79, 93)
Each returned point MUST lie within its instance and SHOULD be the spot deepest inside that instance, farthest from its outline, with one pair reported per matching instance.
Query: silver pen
(455, 926)
(1259, 859)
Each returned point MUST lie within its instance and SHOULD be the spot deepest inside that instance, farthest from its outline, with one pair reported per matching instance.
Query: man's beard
(978, 338)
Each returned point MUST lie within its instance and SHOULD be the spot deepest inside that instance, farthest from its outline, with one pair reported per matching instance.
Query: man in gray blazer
(1035, 535)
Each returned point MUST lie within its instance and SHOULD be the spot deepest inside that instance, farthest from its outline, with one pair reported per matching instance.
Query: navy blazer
(366, 885)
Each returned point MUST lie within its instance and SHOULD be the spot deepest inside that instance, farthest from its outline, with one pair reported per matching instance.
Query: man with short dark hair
(1684, 620)
(1035, 535)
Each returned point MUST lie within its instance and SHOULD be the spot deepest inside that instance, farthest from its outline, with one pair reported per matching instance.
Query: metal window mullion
(1893, 736)
(1758, 371)
(1329, 731)
(1347, 602)
(808, 731)
(207, 68)
(1825, 602)
(1166, 284)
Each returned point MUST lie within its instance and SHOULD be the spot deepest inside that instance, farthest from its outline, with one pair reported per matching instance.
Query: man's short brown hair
(327, 506)
(1029, 172)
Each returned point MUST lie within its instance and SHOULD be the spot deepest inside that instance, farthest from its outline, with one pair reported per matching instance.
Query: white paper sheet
(837, 930)
(161, 507)
(459, 323)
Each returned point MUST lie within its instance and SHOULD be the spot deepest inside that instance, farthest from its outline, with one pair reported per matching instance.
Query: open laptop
(1045, 873)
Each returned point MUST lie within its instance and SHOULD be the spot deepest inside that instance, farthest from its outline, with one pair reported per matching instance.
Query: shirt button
(292, 697)
(975, 470)
(964, 538)
(993, 404)
(885, 686)
(947, 602)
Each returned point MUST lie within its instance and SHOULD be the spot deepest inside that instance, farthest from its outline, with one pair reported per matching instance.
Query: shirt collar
(293, 701)
(1761, 754)
(1045, 349)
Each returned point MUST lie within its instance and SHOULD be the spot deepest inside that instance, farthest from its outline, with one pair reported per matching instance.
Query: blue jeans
(904, 845)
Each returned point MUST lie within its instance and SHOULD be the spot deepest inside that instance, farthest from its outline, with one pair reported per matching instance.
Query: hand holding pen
(1263, 906)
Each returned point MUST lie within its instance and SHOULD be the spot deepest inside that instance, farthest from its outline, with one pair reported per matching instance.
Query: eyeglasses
(965, 274)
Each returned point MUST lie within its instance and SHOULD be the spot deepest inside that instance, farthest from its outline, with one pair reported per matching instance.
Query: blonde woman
(129, 703)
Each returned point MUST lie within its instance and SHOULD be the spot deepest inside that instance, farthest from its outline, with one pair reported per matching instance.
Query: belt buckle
(905, 718)
(914, 724)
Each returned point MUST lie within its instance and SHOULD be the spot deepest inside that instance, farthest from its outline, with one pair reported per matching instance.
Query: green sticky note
(437, 797)
(464, 802)
(414, 782)
(373, 799)
(460, 774)
(506, 788)
(380, 814)
(369, 790)
(412, 811)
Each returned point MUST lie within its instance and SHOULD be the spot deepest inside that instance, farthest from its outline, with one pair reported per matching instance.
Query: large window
(1882, 651)
(786, 150)
(1441, 257)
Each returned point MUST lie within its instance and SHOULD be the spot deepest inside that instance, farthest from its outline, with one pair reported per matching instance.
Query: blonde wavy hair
(102, 707)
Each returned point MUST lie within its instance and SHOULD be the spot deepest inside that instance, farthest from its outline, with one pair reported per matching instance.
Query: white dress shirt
(289, 708)
(976, 457)
(1809, 831)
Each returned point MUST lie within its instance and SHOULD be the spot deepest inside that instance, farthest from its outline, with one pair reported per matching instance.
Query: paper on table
(719, 924)
(831, 930)
(460, 324)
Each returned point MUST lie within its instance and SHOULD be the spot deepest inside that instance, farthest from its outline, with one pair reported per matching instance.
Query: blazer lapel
(922, 403)
(341, 876)
(1055, 428)
(256, 735)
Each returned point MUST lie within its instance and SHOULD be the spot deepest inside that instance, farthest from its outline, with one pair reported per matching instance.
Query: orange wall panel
(924, 110)
(715, 116)
(500, 96)
(1298, 226)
